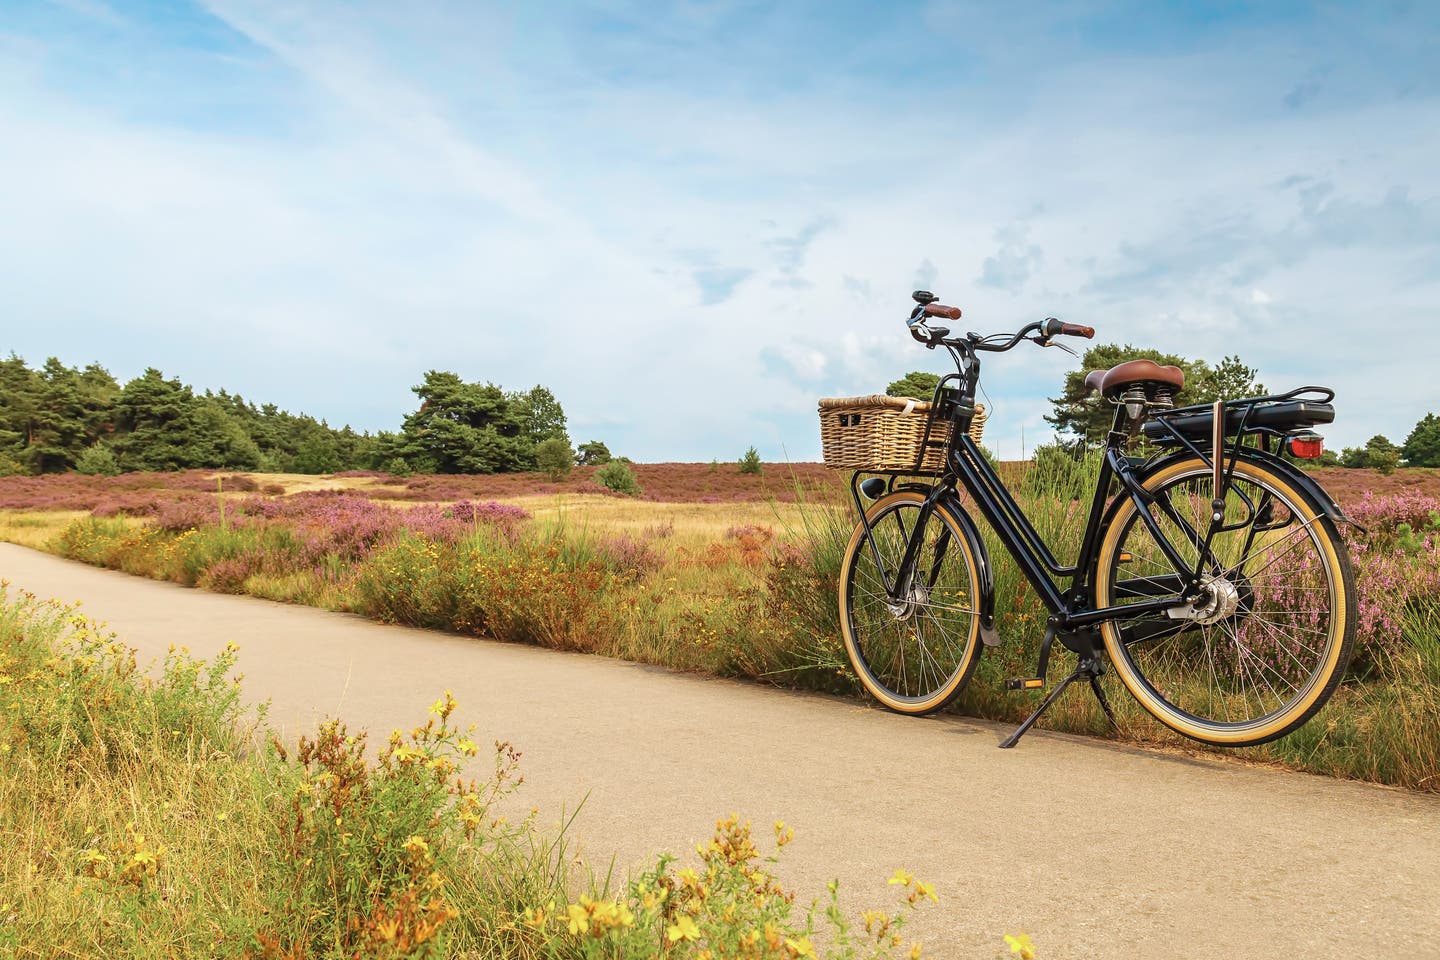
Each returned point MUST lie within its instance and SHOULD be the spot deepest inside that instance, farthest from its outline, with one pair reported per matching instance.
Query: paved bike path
(1094, 849)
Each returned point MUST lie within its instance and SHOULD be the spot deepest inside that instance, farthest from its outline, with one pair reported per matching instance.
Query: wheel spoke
(912, 651)
(1262, 639)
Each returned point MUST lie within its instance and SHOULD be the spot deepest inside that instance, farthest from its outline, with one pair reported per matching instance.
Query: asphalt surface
(1092, 848)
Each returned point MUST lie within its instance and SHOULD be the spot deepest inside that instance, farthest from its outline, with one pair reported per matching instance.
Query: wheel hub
(915, 597)
(1220, 599)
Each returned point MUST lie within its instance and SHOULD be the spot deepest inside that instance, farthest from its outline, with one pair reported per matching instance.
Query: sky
(692, 220)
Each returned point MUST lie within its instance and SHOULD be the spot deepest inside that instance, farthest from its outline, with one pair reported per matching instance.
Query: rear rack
(1275, 415)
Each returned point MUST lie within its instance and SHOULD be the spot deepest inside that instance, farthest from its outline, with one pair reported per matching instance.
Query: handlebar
(1053, 327)
(1038, 332)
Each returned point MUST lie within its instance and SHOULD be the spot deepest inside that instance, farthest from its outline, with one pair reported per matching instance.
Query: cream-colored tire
(1270, 642)
(914, 656)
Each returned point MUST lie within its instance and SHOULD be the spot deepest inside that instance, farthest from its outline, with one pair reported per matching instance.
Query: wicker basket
(884, 433)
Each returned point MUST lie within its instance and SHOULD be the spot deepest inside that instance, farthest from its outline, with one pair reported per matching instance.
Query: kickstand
(1104, 702)
(1089, 668)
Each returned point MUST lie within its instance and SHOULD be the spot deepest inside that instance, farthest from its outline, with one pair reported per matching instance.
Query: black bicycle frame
(966, 463)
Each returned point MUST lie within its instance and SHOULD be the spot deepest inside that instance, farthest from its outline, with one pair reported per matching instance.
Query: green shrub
(1062, 471)
(617, 476)
(397, 467)
(750, 463)
(97, 461)
(554, 457)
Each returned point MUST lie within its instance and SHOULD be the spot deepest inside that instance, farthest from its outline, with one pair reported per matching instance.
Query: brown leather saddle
(1115, 381)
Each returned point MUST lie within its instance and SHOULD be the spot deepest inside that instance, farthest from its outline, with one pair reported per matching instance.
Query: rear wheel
(1270, 638)
(916, 653)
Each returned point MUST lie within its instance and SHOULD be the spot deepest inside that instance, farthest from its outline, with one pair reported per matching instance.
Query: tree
(540, 414)
(1422, 446)
(618, 477)
(750, 462)
(1231, 380)
(554, 457)
(462, 428)
(20, 391)
(57, 429)
(1089, 416)
(317, 454)
(593, 454)
(1377, 454)
(161, 425)
(916, 383)
(97, 461)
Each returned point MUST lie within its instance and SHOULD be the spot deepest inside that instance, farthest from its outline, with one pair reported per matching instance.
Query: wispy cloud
(709, 214)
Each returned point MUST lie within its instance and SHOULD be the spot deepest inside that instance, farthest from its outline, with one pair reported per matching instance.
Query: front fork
(899, 589)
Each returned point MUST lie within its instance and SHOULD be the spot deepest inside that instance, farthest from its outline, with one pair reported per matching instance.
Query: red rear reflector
(1306, 448)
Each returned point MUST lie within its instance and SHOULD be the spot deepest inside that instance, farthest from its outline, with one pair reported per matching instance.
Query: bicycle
(1211, 574)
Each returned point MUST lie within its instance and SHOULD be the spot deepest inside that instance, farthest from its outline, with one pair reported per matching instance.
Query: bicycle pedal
(1025, 683)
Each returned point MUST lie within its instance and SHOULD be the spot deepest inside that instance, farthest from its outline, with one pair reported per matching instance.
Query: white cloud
(681, 267)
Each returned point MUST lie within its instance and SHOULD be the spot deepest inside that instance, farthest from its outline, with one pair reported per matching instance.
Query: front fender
(985, 573)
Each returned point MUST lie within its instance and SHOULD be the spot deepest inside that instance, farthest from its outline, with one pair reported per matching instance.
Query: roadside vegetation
(144, 815)
(736, 589)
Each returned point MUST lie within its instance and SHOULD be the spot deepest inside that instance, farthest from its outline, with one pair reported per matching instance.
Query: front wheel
(913, 653)
(1269, 639)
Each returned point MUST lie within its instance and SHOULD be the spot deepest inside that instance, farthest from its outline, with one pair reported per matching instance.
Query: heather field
(704, 483)
(712, 571)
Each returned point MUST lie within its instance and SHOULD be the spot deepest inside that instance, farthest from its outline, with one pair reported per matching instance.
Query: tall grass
(141, 817)
(1382, 725)
(759, 601)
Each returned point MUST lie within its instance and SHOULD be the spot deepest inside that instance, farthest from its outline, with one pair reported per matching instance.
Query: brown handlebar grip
(1075, 330)
(940, 310)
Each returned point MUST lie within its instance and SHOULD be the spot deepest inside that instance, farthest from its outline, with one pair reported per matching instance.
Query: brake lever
(1047, 342)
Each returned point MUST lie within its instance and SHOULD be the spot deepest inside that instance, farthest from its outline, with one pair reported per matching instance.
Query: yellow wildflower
(417, 844)
(388, 928)
(1021, 944)
(682, 929)
(901, 878)
(540, 916)
(800, 947)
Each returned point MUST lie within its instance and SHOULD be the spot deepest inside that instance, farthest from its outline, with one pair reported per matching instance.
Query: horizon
(692, 222)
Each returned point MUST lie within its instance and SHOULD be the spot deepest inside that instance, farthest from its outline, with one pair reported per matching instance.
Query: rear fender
(1307, 484)
(1319, 499)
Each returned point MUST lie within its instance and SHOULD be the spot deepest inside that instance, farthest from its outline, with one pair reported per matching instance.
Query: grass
(36, 528)
(747, 590)
(145, 816)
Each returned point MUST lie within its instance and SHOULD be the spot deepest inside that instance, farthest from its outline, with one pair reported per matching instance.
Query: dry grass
(304, 482)
(35, 528)
(687, 524)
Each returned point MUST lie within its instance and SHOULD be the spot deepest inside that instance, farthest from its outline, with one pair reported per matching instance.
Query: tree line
(56, 418)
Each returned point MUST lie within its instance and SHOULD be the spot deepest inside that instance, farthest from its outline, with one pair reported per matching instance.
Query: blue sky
(692, 220)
